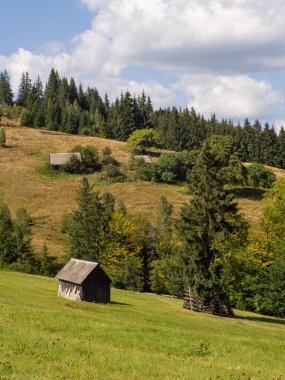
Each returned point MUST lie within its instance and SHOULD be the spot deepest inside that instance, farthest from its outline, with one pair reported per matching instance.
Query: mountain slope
(47, 199)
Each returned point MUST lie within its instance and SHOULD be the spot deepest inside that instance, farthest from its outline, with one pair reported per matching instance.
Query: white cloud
(278, 124)
(233, 97)
(211, 45)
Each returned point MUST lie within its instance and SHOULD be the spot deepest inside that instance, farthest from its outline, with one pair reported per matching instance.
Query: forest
(62, 105)
(208, 252)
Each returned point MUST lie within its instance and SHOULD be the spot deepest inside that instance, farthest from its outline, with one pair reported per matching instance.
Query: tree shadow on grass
(120, 303)
(249, 193)
(264, 319)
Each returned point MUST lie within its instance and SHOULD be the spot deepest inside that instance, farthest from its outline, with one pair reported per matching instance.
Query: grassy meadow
(47, 198)
(137, 336)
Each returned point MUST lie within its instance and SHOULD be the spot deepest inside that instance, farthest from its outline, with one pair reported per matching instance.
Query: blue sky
(30, 24)
(222, 56)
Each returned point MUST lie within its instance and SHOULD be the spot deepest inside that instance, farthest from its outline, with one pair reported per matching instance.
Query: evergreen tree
(280, 156)
(25, 89)
(164, 212)
(52, 105)
(7, 246)
(268, 145)
(89, 224)
(206, 223)
(274, 301)
(126, 121)
(26, 260)
(72, 93)
(6, 94)
(46, 262)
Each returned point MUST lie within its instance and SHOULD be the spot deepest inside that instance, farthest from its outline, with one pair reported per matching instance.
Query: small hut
(144, 158)
(81, 280)
(59, 159)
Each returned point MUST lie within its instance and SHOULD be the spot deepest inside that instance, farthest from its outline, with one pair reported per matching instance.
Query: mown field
(137, 336)
(47, 198)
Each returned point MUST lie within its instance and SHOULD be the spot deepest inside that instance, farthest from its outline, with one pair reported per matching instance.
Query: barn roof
(145, 158)
(76, 271)
(62, 158)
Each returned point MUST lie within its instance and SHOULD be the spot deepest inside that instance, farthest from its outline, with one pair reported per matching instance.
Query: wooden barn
(59, 159)
(144, 158)
(81, 280)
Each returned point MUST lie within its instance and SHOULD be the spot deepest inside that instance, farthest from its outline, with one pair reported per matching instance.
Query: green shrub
(107, 157)
(174, 167)
(89, 163)
(143, 170)
(73, 166)
(26, 117)
(260, 176)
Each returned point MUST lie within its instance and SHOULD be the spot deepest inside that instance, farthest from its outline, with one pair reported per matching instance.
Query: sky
(219, 56)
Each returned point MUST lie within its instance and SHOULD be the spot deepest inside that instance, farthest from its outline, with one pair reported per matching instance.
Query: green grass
(48, 173)
(137, 336)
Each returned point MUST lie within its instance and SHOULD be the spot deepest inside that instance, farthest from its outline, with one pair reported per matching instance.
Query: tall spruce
(6, 94)
(24, 90)
(205, 224)
(7, 246)
(89, 224)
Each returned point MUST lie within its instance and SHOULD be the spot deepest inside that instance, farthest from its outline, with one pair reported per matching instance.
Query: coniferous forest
(63, 105)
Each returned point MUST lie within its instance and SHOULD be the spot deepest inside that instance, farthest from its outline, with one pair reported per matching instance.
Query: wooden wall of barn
(96, 291)
(70, 291)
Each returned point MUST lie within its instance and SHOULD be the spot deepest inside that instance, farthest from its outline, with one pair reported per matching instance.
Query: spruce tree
(46, 261)
(89, 224)
(206, 223)
(7, 246)
(164, 212)
(24, 90)
(25, 256)
(6, 94)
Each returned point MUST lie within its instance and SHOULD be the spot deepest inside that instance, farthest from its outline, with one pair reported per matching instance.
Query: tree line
(16, 250)
(62, 105)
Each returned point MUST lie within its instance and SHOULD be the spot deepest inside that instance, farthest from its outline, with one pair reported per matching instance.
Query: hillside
(47, 199)
(138, 336)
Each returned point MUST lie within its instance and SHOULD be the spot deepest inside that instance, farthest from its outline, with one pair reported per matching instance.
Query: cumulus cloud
(210, 45)
(230, 96)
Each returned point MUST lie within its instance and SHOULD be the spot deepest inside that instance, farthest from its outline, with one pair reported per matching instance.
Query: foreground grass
(137, 336)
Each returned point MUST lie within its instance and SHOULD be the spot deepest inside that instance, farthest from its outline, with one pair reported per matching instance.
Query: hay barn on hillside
(59, 159)
(144, 158)
(81, 280)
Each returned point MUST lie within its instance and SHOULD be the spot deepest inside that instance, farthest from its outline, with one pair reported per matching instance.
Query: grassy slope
(137, 336)
(48, 199)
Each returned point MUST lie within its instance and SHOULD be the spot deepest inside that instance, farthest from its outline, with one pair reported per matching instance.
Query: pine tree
(72, 93)
(280, 156)
(46, 261)
(25, 256)
(6, 94)
(206, 223)
(24, 90)
(164, 212)
(88, 227)
(7, 246)
(52, 105)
